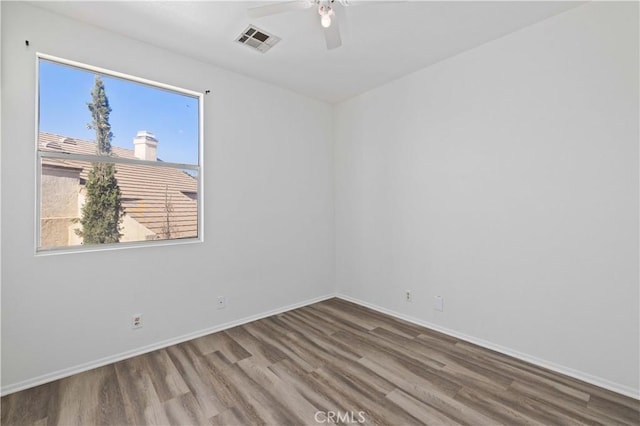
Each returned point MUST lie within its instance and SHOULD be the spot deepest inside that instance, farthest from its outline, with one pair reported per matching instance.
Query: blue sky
(172, 117)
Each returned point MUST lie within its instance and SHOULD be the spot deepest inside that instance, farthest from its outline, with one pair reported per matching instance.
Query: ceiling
(381, 41)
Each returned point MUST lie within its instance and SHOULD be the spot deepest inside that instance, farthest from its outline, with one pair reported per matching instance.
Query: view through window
(118, 158)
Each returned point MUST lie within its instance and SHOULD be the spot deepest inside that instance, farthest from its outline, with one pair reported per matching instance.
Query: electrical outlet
(222, 302)
(136, 321)
(408, 296)
(438, 303)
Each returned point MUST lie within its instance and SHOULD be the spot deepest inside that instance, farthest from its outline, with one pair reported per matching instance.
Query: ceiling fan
(328, 18)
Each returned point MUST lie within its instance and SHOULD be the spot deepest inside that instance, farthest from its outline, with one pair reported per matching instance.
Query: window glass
(118, 159)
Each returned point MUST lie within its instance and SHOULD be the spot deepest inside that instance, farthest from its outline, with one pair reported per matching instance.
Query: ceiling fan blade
(332, 34)
(347, 3)
(272, 9)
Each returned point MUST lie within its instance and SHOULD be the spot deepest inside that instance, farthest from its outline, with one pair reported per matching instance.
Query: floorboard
(331, 362)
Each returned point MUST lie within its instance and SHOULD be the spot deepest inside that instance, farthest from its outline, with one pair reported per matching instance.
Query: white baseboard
(576, 374)
(66, 372)
(49, 377)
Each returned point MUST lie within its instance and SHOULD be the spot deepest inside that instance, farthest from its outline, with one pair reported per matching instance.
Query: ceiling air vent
(257, 39)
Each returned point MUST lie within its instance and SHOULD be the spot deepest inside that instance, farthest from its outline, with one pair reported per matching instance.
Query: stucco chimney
(146, 146)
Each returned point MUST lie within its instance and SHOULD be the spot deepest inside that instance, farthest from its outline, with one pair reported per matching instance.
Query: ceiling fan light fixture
(325, 20)
(325, 12)
(328, 18)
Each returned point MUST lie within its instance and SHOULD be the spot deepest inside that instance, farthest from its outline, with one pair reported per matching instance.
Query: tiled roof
(144, 188)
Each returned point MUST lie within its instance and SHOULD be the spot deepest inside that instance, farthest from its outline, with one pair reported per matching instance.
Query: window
(119, 159)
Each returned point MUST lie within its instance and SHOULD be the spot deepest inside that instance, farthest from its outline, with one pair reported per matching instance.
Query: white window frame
(40, 155)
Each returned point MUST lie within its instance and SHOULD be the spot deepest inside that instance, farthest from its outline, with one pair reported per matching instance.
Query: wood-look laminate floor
(325, 363)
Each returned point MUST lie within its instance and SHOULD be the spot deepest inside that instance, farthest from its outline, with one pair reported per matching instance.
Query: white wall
(505, 179)
(268, 211)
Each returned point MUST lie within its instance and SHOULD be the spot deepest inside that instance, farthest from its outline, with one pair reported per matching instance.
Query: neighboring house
(158, 202)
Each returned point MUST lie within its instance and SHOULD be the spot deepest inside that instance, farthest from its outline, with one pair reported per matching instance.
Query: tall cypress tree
(102, 210)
